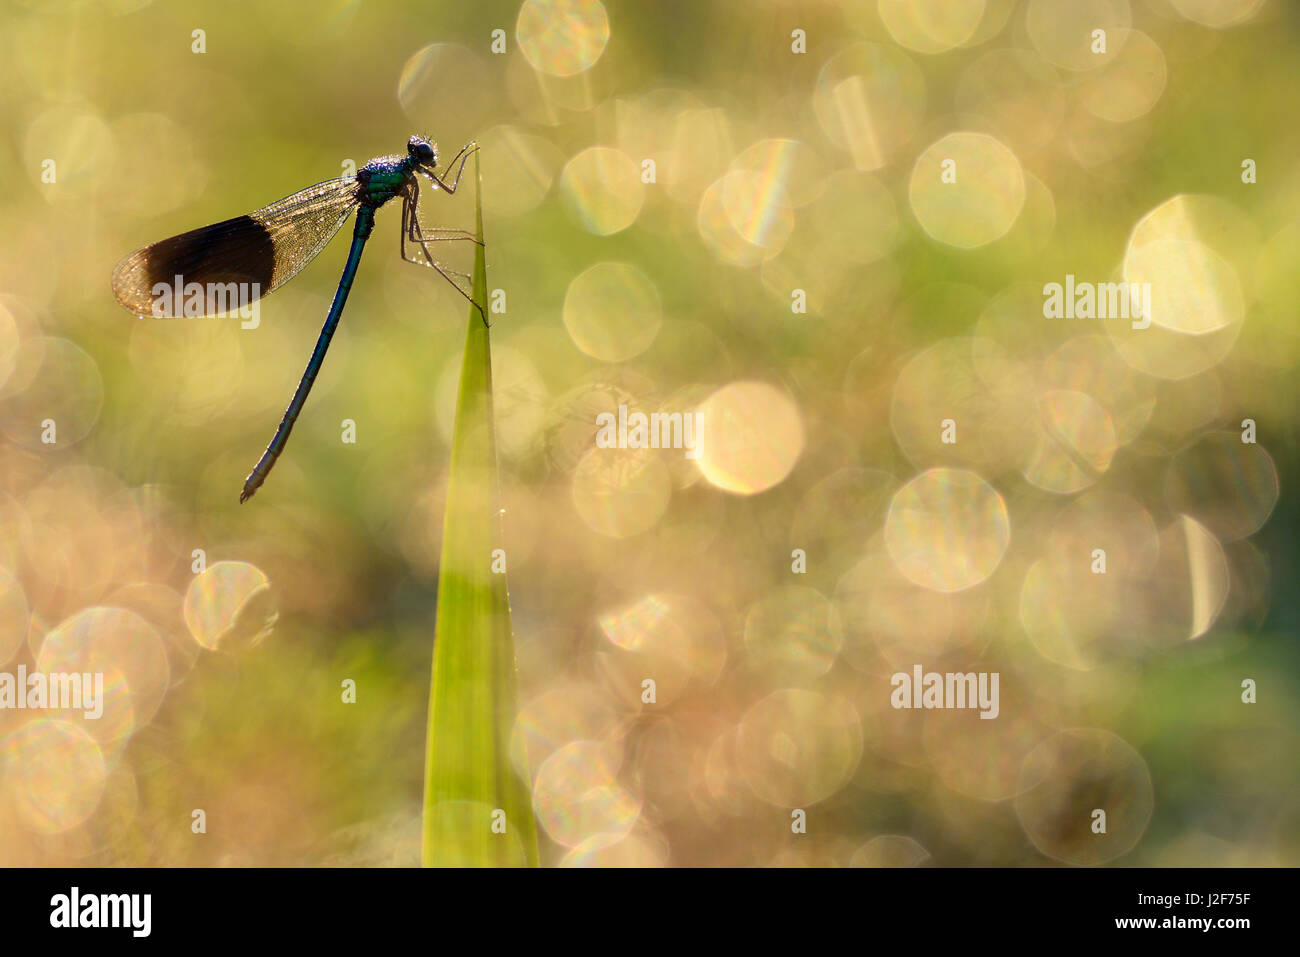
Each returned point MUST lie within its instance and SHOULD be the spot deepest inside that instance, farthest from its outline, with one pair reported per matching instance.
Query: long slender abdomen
(365, 223)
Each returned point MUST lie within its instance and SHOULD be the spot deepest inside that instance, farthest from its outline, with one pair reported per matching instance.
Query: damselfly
(201, 272)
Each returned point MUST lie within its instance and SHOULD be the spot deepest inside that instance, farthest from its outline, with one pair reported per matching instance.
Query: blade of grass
(471, 791)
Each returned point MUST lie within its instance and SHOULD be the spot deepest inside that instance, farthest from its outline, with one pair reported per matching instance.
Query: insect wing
(220, 267)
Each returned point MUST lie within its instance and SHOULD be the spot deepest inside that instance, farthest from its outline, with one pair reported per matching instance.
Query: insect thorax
(383, 178)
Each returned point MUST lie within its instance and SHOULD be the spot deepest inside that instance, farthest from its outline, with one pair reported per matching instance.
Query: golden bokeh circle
(931, 26)
(967, 189)
(612, 311)
(602, 190)
(752, 437)
(562, 37)
(870, 101)
(947, 530)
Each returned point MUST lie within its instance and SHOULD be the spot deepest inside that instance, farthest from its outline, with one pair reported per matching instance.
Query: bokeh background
(774, 170)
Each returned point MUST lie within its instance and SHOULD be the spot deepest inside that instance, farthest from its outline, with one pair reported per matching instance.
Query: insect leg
(463, 156)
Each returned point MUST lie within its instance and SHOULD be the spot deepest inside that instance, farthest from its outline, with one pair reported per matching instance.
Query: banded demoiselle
(205, 271)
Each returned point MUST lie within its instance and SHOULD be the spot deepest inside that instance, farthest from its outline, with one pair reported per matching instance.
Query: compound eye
(421, 150)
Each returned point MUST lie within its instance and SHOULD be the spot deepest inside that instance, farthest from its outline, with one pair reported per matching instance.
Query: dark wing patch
(238, 250)
(258, 253)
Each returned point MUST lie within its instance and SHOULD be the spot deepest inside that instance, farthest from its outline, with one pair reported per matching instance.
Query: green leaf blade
(469, 780)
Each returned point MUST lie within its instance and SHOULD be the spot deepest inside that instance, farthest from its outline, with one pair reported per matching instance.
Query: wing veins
(262, 250)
